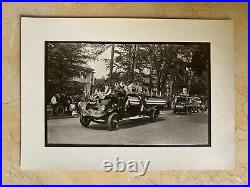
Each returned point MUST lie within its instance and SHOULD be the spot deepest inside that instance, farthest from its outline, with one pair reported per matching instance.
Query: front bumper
(94, 114)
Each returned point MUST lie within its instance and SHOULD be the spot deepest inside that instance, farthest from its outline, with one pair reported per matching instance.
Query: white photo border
(34, 33)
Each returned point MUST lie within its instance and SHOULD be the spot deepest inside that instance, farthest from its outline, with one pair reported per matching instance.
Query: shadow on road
(124, 124)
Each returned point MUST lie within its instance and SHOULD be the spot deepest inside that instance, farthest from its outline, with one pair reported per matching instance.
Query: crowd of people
(62, 103)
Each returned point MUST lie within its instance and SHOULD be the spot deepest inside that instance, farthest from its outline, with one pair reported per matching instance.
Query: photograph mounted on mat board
(127, 94)
(116, 87)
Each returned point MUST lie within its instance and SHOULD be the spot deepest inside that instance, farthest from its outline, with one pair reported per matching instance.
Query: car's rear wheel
(60, 110)
(113, 121)
(84, 121)
(154, 115)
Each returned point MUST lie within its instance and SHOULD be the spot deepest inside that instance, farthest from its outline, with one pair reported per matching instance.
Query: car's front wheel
(113, 121)
(84, 121)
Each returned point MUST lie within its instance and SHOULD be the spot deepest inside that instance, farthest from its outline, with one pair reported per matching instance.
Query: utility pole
(135, 49)
(189, 79)
(111, 64)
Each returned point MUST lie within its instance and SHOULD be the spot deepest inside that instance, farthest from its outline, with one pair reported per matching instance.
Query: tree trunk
(129, 63)
(151, 62)
(173, 84)
(60, 79)
(151, 78)
(111, 63)
(163, 84)
(133, 62)
(158, 84)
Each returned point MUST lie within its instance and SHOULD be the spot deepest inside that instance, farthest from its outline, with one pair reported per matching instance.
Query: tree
(200, 66)
(156, 65)
(65, 61)
(123, 60)
(111, 63)
(100, 83)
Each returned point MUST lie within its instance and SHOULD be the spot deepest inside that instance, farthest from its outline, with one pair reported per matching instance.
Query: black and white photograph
(127, 94)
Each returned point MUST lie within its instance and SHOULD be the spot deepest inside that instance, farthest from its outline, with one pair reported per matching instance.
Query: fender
(153, 107)
(110, 110)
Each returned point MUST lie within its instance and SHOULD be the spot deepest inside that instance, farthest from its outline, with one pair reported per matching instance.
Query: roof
(86, 66)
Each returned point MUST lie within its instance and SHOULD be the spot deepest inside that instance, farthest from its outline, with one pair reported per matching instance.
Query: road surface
(171, 129)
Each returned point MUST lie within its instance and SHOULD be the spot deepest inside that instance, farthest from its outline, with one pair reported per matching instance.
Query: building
(86, 79)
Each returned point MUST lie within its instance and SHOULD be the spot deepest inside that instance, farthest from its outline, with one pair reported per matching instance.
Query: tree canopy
(186, 65)
(154, 65)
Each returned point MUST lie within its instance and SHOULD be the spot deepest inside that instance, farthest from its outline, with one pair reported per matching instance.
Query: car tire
(154, 115)
(113, 121)
(84, 121)
(60, 110)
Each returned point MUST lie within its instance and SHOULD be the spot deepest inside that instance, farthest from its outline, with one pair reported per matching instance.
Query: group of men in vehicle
(121, 88)
(120, 92)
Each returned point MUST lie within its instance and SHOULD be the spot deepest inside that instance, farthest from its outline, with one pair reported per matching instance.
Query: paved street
(171, 129)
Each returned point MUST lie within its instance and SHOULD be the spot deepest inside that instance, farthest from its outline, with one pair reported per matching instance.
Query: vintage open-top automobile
(114, 108)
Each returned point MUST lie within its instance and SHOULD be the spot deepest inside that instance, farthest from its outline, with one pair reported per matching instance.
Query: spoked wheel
(60, 110)
(85, 121)
(154, 115)
(113, 121)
